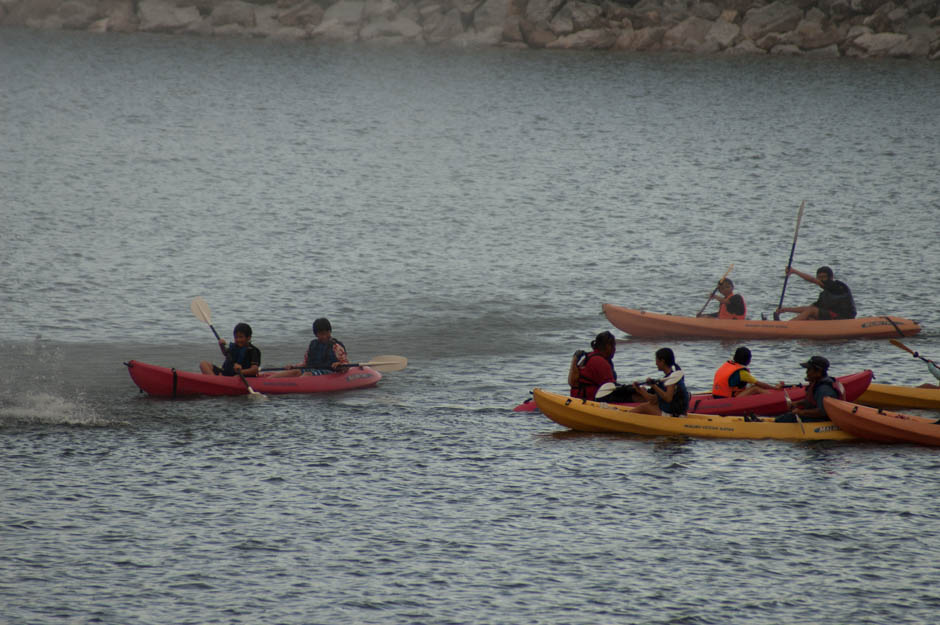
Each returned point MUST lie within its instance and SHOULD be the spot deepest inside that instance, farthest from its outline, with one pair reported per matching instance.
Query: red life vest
(721, 386)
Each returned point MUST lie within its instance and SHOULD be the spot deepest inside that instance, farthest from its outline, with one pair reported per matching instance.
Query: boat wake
(40, 408)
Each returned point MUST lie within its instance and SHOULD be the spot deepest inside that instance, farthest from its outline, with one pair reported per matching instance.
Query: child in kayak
(324, 354)
(730, 304)
(241, 357)
(667, 397)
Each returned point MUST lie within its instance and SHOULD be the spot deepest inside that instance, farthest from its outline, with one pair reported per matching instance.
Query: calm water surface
(470, 210)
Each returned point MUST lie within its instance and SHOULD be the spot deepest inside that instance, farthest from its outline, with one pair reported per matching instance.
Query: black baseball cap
(817, 362)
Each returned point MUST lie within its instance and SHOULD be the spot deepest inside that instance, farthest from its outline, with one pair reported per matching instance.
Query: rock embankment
(855, 28)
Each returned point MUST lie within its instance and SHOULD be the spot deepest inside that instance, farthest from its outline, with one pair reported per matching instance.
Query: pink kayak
(764, 404)
(165, 382)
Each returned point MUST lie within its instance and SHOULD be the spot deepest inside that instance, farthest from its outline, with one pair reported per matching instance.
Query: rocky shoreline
(830, 28)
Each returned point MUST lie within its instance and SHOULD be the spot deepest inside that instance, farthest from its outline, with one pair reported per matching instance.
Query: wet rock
(774, 18)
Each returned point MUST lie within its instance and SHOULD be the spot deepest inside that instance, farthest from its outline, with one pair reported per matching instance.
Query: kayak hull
(888, 396)
(589, 416)
(763, 404)
(166, 382)
(881, 425)
(643, 324)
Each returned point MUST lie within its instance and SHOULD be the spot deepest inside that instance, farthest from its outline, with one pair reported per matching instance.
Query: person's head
(816, 367)
(665, 358)
(742, 356)
(824, 274)
(242, 334)
(322, 329)
(726, 287)
(604, 343)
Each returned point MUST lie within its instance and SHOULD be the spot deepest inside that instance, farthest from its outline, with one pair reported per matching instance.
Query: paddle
(898, 343)
(715, 290)
(786, 396)
(799, 217)
(383, 364)
(201, 309)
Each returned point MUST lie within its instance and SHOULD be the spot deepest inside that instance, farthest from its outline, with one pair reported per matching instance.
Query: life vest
(321, 355)
(810, 398)
(236, 355)
(585, 383)
(837, 297)
(679, 405)
(721, 386)
(724, 313)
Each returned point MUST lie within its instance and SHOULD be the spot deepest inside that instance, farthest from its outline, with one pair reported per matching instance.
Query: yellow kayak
(888, 396)
(589, 416)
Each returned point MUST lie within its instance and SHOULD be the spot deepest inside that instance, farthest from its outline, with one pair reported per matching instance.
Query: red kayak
(165, 382)
(881, 425)
(763, 404)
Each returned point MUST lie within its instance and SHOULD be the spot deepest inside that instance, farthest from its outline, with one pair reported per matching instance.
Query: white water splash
(48, 409)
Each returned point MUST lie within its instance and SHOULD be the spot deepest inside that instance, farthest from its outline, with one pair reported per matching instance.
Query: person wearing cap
(835, 301)
(734, 379)
(812, 407)
(241, 357)
(324, 354)
(730, 304)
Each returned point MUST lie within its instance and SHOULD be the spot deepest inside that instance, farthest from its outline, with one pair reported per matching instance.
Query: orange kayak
(880, 425)
(643, 324)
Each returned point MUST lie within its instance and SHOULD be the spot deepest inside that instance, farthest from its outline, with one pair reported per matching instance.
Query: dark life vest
(321, 355)
(837, 297)
(237, 355)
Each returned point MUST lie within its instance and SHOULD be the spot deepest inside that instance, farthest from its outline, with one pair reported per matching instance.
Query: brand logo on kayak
(827, 428)
(358, 376)
(872, 324)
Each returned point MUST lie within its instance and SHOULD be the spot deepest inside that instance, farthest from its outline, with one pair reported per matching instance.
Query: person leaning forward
(835, 301)
(734, 379)
(821, 385)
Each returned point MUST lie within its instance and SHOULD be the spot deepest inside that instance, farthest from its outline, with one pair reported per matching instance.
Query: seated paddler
(589, 372)
(241, 357)
(821, 385)
(325, 354)
(730, 304)
(734, 379)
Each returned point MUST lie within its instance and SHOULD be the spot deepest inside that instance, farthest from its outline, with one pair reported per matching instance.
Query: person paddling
(821, 385)
(324, 354)
(730, 304)
(734, 379)
(241, 357)
(835, 301)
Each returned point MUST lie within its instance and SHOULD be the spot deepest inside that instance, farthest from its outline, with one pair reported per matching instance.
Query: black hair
(742, 356)
(826, 270)
(244, 328)
(322, 324)
(726, 281)
(603, 339)
(666, 355)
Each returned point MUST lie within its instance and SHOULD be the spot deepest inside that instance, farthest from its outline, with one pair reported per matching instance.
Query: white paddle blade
(385, 364)
(201, 309)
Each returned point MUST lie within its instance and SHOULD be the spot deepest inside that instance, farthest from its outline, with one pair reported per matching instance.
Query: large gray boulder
(688, 35)
(345, 12)
(777, 17)
(590, 39)
(398, 27)
(306, 14)
(233, 12)
(492, 14)
(878, 44)
(722, 35)
(541, 12)
(163, 16)
(440, 27)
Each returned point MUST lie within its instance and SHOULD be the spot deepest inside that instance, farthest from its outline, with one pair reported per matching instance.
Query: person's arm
(341, 360)
(805, 276)
(820, 394)
(574, 374)
(747, 376)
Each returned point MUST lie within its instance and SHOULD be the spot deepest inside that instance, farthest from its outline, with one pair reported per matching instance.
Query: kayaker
(734, 379)
(667, 397)
(821, 385)
(730, 304)
(324, 354)
(835, 301)
(589, 371)
(240, 356)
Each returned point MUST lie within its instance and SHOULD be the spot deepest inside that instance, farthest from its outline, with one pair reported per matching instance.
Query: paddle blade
(201, 309)
(385, 364)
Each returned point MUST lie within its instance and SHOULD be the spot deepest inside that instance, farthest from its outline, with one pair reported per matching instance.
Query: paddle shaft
(796, 233)
(715, 290)
(911, 351)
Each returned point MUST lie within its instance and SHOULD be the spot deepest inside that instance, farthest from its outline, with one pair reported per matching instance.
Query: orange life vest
(721, 386)
(724, 314)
